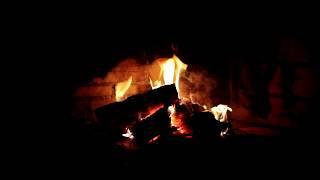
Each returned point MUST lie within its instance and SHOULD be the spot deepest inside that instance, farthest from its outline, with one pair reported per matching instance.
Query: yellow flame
(170, 70)
(155, 85)
(121, 88)
(179, 67)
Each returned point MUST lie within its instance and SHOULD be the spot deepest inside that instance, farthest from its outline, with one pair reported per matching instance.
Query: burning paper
(220, 112)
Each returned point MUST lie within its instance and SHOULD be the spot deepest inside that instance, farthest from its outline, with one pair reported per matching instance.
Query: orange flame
(178, 120)
(170, 70)
(169, 73)
(121, 88)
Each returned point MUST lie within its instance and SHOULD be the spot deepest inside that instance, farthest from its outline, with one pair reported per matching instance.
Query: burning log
(120, 114)
(179, 119)
(151, 127)
(205, 127)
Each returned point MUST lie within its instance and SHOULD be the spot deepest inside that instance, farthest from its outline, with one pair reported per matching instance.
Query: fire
(150, 111)
(179, 67)
(121, 88)
(177, 120)
(171, 110)
(167, 71)
(170, 70)
(220, 112)
(156, 84)
(128, 134)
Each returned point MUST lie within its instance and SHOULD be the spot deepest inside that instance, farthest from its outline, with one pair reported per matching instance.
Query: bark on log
(154, 125)
(120, 114)
(205, 127)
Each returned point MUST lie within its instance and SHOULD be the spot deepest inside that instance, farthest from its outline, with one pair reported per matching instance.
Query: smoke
(198, 85)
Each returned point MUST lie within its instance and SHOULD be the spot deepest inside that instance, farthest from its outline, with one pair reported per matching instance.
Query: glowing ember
(121, 88)
(224, 132)
(149, 112)
(128, 134)
(220, 112)
(153, 139)
(172, 110)
(178, 120)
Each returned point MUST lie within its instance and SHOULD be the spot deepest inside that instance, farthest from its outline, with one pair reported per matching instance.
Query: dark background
(71, 49)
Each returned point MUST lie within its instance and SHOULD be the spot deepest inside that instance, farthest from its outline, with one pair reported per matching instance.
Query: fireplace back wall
(267, 81)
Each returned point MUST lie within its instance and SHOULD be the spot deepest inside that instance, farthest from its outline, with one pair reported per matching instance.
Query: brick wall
(196, 83)
(100, 91)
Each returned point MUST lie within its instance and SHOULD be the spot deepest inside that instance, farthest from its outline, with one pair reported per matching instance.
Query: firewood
(136, 106)
(205, 127)
(180, 119)
(151, 127)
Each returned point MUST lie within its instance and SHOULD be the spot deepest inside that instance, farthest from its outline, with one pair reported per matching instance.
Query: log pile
(147, 116)
(119, 114)
(154, 125)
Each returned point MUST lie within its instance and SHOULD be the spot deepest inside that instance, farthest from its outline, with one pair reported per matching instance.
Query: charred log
(120, 114)
(151, 127)
(181, 116)
(193, 107)
(205, 127)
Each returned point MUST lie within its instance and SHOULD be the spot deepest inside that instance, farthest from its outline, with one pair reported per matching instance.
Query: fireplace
(268, 83)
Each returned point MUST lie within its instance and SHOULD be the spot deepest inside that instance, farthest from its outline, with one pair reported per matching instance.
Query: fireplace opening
(175, 96)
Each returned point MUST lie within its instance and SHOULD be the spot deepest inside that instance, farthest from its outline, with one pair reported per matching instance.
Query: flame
(156, 84)
(179, 67)
(128, 134)
(220, 112)
(174, 120)
(121, 88)
(170, 70)
(178, 120)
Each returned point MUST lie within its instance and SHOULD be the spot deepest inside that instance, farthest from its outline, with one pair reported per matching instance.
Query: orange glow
(169, 73)
(166, 71)
(121, 88)
(156, 84)
(153, 139)
(170, 70)
(178, 120)
(149, 111)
